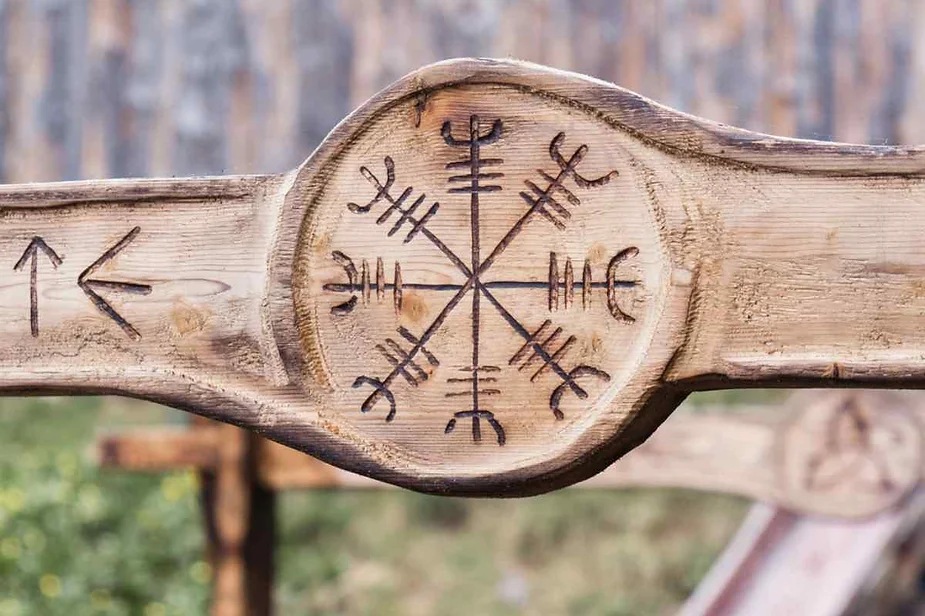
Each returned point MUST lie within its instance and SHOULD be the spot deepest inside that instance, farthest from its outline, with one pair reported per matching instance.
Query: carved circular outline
(604, 436)
(788, 457)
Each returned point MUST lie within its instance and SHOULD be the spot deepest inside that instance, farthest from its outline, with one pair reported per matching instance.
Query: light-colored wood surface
(849, 454)
(569, 260)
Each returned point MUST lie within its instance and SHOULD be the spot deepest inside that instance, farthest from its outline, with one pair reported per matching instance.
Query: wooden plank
(240, 518)
(778, 562)
(156, 450)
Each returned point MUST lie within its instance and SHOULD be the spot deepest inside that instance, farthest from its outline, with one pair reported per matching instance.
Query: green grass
(76, 540)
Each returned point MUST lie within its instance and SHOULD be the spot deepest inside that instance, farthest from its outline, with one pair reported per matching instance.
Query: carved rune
(545, 349)
(849, 452)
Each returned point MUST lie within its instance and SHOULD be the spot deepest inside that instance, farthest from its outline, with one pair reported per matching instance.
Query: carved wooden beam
(492, 278)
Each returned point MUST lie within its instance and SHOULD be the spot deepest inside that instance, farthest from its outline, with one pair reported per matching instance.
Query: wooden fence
(105, 88)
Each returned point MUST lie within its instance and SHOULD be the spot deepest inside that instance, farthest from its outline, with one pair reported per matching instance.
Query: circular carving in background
(852, 448)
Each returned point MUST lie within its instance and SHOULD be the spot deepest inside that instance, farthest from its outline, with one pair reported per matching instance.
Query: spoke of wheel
(515, 230)
(518, 327)
(431, 330)
(452, 256)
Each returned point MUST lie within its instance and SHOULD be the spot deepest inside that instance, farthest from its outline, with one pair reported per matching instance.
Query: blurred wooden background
(106, 88)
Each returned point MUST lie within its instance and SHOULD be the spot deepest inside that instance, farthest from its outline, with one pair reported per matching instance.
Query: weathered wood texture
(675, 254)
(734, 245)
(114, 88)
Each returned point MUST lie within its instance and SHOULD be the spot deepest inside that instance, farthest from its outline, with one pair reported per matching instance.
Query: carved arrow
(89, 285)
(31, 254)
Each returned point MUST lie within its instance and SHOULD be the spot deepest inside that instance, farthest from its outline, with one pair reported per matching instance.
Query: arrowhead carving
(31, 254)
(90, 286)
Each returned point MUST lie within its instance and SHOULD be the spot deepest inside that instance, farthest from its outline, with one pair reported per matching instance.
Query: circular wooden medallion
(475, 288)
(843, 451)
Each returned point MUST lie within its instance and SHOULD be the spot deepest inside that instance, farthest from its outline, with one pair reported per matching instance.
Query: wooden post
(239, 510)
(240, 521)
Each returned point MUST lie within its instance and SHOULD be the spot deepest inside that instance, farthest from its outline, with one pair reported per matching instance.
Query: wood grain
(492, 278)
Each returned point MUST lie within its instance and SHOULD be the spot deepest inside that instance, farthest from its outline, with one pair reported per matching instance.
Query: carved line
(543, 197)
(531, 338)
(586, 286)
(568, 284)
(567, 169)
(400, 360)
(474, 143)
(88, 285)
(365, 287)
(487, 392)
(31, 254)
(407, 335)
(383, 193)
(612, 284)
(476, 427)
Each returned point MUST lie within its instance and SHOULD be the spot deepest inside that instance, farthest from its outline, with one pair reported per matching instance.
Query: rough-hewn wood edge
(688, 135)
(87, 192)
(680, 133)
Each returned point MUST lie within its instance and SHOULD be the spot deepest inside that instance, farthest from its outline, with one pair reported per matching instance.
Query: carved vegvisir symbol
(476, 349)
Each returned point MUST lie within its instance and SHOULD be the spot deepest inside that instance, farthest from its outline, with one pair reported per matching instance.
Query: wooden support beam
(853, 453)
(161, 449)
(240, 521)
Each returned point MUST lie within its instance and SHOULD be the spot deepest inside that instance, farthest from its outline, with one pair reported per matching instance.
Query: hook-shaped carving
(578, 371)
(351, 270)
(569, 166)
(382, 190)
(612, 281)
(381, 390)
(446, 131)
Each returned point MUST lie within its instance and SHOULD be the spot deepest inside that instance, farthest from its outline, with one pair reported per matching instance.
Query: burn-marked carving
(544, 200)
(395, 204)
(613, 302)
(561, 289)
(31, 255)
(91, 286)
(402, 359)
(358, 282)
(545, 348)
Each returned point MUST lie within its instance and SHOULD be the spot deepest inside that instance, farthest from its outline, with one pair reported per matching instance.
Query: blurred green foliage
(76, 540)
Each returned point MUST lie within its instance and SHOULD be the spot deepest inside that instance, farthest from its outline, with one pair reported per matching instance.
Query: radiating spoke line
(518, 327)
